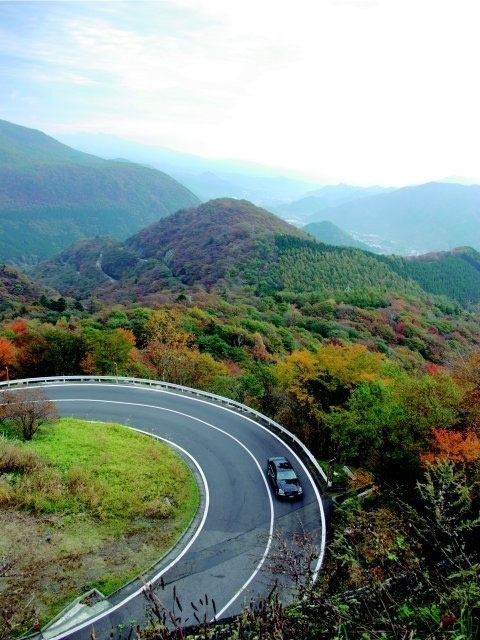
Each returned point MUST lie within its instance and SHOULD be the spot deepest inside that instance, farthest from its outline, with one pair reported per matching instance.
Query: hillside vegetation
(16, 288)
(455, 273)
(359, 361)
(51, 195)
(306, 265)
(224, 239)
(225, 242)
(85, 266)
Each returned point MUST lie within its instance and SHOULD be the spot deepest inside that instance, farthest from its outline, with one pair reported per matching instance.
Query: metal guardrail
(274, 426)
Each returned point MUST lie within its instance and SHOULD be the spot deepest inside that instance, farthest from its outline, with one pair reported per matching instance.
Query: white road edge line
(136, 593)
(219, 406)
(91, 621)
(323, 543)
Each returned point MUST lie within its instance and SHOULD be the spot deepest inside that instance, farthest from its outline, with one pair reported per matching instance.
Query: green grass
(83, 506)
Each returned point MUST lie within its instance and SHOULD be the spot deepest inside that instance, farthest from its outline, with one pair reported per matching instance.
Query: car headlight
(281, 492)
(300, 490)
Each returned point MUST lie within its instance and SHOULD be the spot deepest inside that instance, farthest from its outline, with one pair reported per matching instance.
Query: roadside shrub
(157, 508)
(18, 459)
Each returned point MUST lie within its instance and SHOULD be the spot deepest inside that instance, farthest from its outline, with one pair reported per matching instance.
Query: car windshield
(286, 474)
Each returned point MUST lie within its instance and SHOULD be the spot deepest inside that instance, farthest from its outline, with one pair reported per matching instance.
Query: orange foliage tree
(7, 356)
(456, 446)
(19, 327)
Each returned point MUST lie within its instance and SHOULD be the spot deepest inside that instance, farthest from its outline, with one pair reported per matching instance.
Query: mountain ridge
(51, 195)
(234, 244)
(223, 242)
(413, 219)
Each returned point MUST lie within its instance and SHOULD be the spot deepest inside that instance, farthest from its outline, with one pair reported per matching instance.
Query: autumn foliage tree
(314, 382)
(18, 327)
(109, 352)
(456, 446)
(7, 356)
(164, 327)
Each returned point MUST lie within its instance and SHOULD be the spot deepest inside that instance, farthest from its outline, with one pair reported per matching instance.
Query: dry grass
(14, 457)
(76, 512)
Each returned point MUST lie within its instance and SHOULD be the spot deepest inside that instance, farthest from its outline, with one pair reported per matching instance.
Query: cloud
(364, 90)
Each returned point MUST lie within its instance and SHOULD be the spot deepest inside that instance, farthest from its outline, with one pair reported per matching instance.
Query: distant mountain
(316, 201)
(429, 217)
(222, 243)
(208, 178)
(52, 195)
(455, 273)
(329, 233)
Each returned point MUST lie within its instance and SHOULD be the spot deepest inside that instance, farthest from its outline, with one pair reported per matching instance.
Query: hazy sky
(368, 91)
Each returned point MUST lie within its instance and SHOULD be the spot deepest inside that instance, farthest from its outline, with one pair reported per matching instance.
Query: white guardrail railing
(275, 426)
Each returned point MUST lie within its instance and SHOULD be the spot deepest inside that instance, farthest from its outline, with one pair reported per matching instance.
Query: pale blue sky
(367, 91)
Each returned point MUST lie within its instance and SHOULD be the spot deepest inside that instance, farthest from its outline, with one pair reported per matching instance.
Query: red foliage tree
(19, 327)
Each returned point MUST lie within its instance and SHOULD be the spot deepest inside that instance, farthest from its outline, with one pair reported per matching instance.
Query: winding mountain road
(228, 555)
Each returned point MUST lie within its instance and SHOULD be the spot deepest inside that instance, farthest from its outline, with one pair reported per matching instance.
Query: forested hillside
(455, 273)
(51, 195)
(85, 266)
(306, 265)
(16, 289)
(384, 381)
(225, 242)
(252, 258)
(224, 239)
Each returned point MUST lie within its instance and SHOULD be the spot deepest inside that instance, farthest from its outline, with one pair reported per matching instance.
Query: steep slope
(430, 217)
(455, 273)
(51, 195)
(15, 287)
(329, 233)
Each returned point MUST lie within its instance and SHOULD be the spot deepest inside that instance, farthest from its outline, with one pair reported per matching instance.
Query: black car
(283, 478)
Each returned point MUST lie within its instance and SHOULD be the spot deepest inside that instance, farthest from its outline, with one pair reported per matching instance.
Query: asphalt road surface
(230, 555)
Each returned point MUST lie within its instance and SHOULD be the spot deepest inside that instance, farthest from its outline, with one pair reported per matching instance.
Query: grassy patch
(86, 505)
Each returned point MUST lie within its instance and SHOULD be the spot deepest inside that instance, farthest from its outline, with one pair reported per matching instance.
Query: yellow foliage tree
(315, 381)
(164, 327)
